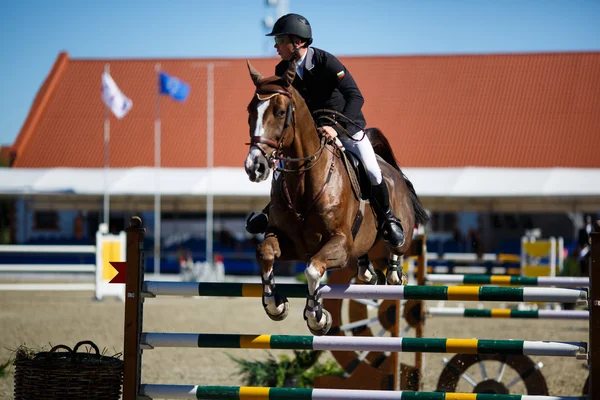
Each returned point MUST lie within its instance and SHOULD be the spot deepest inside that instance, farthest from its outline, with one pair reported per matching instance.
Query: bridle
(277, 155)
(289, 118)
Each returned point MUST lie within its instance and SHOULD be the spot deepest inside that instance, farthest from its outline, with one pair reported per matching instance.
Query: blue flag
(173, 87)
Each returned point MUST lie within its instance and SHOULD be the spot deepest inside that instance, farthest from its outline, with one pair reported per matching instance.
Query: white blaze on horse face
(259, 130)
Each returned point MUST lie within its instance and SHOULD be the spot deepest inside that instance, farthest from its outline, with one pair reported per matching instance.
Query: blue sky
(34, 32)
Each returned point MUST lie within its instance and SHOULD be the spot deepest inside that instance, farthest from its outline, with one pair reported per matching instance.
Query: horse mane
(384, 150)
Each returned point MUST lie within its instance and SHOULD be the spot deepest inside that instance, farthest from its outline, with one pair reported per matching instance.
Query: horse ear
(290, 74)
(254, 74)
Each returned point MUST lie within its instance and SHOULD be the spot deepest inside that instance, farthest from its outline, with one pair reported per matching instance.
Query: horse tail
(384, 150)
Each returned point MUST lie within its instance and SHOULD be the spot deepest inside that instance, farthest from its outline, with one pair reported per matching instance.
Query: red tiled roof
(506, 110)
(4, 155)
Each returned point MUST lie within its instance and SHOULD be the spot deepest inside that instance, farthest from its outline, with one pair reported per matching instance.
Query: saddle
(361, 184)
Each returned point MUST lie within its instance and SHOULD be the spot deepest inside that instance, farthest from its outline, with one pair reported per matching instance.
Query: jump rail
(545, 281)
(43, 287)
(106, 246)
(90, 268)
(42, 248)
(506, 313)
(135, 339)
(260, 393)
(458, 293)
(152, 340)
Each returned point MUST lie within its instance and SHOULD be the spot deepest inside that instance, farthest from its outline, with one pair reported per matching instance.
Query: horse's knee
(266, 252)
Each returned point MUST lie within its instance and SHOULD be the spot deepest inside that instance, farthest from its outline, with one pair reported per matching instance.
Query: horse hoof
(404, 280)
(282, 315)
(380, 277)
(323, 331)
(373, 280)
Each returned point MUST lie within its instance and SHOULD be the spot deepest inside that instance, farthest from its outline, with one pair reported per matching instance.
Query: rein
(337, 124)
(313, 159)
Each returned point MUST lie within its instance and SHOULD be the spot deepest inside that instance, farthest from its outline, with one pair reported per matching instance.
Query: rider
(325, 83)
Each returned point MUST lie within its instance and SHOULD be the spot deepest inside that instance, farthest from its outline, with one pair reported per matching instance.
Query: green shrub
(4, 368)
(287, 372)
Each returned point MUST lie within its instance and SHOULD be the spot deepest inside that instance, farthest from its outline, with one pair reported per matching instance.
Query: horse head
(270, 117)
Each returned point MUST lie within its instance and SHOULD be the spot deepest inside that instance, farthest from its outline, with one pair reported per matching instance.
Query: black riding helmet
(293, 24)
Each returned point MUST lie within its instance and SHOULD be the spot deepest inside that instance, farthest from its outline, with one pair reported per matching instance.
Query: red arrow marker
(121, 267)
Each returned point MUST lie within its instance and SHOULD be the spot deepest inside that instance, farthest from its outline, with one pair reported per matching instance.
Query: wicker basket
(69, 375)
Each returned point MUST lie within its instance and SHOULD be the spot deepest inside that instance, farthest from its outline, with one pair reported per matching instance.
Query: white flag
(114, 99)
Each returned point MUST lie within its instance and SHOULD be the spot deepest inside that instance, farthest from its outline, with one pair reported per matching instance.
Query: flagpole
(106, 161)
(209, 161)
(157, 206)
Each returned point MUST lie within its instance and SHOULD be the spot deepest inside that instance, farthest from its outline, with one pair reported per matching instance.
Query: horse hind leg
(394, 274)
(366, 272)
(275, 304)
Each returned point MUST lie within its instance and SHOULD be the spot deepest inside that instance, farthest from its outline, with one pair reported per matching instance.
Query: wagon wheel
(522, 373)
(353, 317)
(358, 318)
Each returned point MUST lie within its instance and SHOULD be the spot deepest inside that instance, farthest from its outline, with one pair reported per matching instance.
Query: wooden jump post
(132, 327)
(594, 305)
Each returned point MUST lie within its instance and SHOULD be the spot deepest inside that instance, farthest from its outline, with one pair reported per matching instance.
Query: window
(46, 220)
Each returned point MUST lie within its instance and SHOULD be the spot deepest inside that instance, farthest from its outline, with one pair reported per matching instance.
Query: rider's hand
(329, 133)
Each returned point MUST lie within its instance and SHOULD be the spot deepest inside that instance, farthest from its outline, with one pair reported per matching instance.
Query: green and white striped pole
(384, 292)
(506, 313)
(364, 343)
(259, 393)
(558, 281)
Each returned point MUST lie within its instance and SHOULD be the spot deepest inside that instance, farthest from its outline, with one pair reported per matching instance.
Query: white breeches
(364, 150)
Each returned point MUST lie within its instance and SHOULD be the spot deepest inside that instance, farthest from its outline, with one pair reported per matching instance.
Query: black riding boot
(380, 199)
(258, 222)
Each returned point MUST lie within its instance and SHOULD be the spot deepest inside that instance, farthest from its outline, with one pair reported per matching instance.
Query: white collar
(300, 65)
(300, 62)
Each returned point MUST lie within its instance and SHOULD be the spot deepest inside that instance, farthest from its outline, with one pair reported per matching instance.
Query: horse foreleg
(394, 274)
(333, 254)
(366, 272)
(276, 305)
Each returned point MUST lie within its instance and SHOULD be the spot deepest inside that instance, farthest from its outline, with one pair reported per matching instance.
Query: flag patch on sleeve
(341, 74)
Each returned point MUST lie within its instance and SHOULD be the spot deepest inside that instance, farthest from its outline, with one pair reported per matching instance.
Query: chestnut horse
(313, 208)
